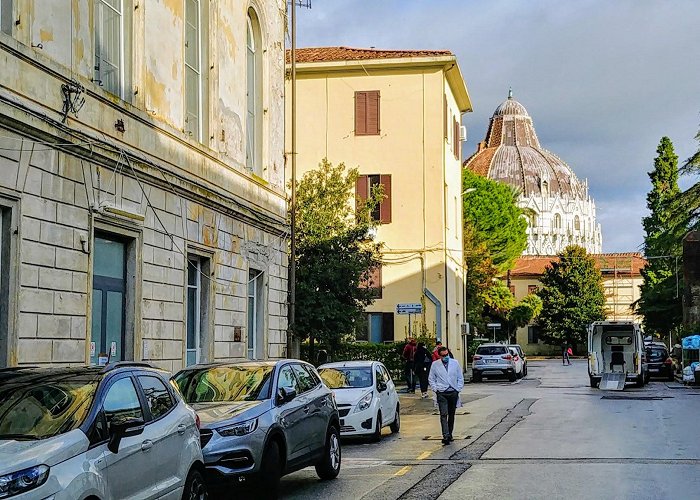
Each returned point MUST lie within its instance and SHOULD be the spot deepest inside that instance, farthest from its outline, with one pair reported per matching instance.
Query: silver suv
(493, 360)
(263, 420)
(120, 431)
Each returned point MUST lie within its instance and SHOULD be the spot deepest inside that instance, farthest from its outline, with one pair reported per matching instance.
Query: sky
(603, 80)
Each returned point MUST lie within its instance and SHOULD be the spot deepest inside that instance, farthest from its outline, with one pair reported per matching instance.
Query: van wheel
(594, 382)
(270, 470)
(396, 424)
(195, 488)
(377, 434)
(640, 381)
(329, 465)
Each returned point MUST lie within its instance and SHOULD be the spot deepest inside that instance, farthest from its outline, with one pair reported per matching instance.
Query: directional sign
(409, 308)
(494, 325)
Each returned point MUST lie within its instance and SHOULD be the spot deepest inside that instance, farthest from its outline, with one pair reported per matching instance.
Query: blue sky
(603, 80)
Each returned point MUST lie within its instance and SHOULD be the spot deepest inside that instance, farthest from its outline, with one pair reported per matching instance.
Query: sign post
(409, 308)
(495, 326)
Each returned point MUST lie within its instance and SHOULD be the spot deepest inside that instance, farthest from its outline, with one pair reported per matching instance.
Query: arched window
(556, 221)
(545, 188)
(253, 150)
(577, 223)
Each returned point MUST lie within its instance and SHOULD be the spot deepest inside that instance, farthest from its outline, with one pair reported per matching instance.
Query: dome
(512, 154)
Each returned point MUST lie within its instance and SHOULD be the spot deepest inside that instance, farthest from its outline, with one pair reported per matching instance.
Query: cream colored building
(142, 181)
(621, 281)
(396, 115)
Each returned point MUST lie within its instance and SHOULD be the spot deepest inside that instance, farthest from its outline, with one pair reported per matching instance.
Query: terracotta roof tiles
(328, 54)
(624, 263)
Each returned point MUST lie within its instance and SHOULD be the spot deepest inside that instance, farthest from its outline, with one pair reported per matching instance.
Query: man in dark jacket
(421, 367)
(409, 354)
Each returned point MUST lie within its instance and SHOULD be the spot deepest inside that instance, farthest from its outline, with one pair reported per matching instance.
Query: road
(548, 435)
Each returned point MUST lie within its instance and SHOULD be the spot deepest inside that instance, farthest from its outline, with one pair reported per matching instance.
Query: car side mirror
(120, 430)
(285, 395)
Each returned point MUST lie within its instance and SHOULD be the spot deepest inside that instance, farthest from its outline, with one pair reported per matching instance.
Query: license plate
(492, 361)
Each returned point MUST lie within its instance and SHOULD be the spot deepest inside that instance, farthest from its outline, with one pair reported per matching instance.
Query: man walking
(446, 381)
(409, 354)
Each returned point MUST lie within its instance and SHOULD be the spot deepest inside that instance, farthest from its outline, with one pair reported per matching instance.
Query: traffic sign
(409, 308)
(494, 325)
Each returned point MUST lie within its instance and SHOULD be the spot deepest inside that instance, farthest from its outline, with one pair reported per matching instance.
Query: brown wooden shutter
(385, 207)
(455, 133)
(444, 114)
(373, 113)
(361, 191)
(512, 289)
(360, 113)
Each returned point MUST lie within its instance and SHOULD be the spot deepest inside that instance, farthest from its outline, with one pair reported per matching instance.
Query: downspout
(438, 313)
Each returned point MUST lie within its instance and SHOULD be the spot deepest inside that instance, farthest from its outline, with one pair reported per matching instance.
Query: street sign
(494, 325)
(409, 308)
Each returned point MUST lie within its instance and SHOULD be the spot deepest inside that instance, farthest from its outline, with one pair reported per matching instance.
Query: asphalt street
(548, 435)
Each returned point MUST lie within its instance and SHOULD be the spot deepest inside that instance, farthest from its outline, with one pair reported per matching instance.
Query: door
(314, 425)
(108, 300)
(291, 416)
(384, 399)
(391, 391)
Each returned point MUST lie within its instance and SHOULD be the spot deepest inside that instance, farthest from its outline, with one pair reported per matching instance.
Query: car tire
(195, 487)
(519, 375)
(594, 382)
(640, 381)
(476, 378)
(396, 424)
(671, 377)
(377, 434)
(512, 377)
(270, 470)
(329, 465)
(525, 371)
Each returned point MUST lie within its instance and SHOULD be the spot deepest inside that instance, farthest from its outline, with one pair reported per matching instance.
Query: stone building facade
(143, 212)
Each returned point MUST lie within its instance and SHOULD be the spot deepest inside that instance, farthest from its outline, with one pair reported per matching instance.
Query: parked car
(366, 397)
(521, 353)
(264, 419)
(659, 362)
(493, 360)
(518, 362)
(120, 431)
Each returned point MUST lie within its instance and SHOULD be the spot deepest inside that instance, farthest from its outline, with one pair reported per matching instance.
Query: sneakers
(424, 395)
(445, 441)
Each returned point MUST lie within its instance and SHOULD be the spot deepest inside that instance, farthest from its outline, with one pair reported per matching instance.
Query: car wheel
(329, 466)
(640, 381)
(512, 376)
(476, 378)
(519, 375)
(525, 371)
(396, 424)
(377, 434)
(271, 470)
(195, 487)
(671, 377)
(594, 382)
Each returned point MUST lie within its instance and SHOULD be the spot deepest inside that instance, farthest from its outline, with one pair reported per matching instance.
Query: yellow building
(396, 115)
(621, 281)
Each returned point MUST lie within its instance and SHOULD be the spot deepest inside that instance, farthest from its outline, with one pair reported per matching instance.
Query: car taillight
(197, 421)
(508, 357)
(476, 357)
(668, 361)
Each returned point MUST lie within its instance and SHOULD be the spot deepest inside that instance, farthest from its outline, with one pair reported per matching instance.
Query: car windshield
(347, 377)
(39, 407)
(656, 354)
(225, 383)
(491, 350)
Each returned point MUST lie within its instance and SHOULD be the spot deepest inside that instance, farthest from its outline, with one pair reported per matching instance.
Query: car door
(314, 426)
(129, 471)
(391, 392)
(384, 400)
(169, 431)
(291, 416)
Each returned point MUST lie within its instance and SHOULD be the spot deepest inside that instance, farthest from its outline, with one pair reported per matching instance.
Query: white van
(616, 347)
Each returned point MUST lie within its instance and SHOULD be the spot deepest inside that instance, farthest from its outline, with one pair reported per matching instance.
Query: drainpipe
(438, 313)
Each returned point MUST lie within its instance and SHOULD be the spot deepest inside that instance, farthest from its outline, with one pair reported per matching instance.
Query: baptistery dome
(562, 212)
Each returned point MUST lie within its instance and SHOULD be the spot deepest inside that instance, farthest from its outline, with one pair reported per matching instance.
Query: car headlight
(365, 402)
(18, 482)
(239, 429)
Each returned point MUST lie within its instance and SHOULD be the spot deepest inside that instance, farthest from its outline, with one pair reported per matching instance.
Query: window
(109, 45)
(374, 281)
(312, 374)
(195, 66)
(306, 382)
(385, 373)
(197, 309)
(122, 402)
(577, 223)
(533, 334)
(254, 95)
(531, 289)
(380, 327)
(367, 113)
(512, 290)
(545, 188)
(455, 137)
(256, 315)
(5, 266)
(286, 380)
(556, 222)
(157, 396)
(6, 16)
(363, 188)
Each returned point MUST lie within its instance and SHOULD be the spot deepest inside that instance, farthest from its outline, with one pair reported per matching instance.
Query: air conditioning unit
(465, 328)
(462, 133)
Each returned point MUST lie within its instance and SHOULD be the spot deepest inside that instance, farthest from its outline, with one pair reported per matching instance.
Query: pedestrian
(446, 381)
(409, 354)
(569, 353)
(421, 367)
(436, 356)
(565, 349)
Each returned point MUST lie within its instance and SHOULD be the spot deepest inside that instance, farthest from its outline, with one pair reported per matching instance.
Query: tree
(528, 309)
(334, 260)
(572, 297)
(492, 214)
(664, 227)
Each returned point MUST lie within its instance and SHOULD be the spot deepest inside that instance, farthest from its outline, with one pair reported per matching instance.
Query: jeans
(410, 377)
(447, 403)
(565, 359)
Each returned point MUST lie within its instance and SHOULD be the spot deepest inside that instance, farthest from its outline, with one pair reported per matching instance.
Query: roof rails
(123, 364)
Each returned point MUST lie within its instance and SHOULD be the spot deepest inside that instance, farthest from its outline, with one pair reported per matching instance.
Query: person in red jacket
(409, 354)
(438, 345)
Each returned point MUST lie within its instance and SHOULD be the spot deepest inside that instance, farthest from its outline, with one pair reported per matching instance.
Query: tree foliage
(664, 227)
(528, 309)
(572, 297)
(333, 257)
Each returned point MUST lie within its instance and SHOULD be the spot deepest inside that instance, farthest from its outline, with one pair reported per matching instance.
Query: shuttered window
(195, 63)
(455, 135)
(367, 112)
(109, 49)
(363, 187)
(374, 281)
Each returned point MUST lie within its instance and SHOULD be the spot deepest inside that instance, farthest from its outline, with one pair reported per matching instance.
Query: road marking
(424, 455)
(403, 470)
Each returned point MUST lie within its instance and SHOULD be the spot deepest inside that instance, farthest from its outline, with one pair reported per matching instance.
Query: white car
(366, 397)
(518, 362)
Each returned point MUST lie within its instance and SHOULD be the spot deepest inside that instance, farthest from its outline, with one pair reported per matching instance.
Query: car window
(347, 377)
(385, 373)
(313, 374)
(491, 350)
(286, 379)
(378, 375)
(225, 383)
(306, 382)
(121, 402)
(157, 396)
